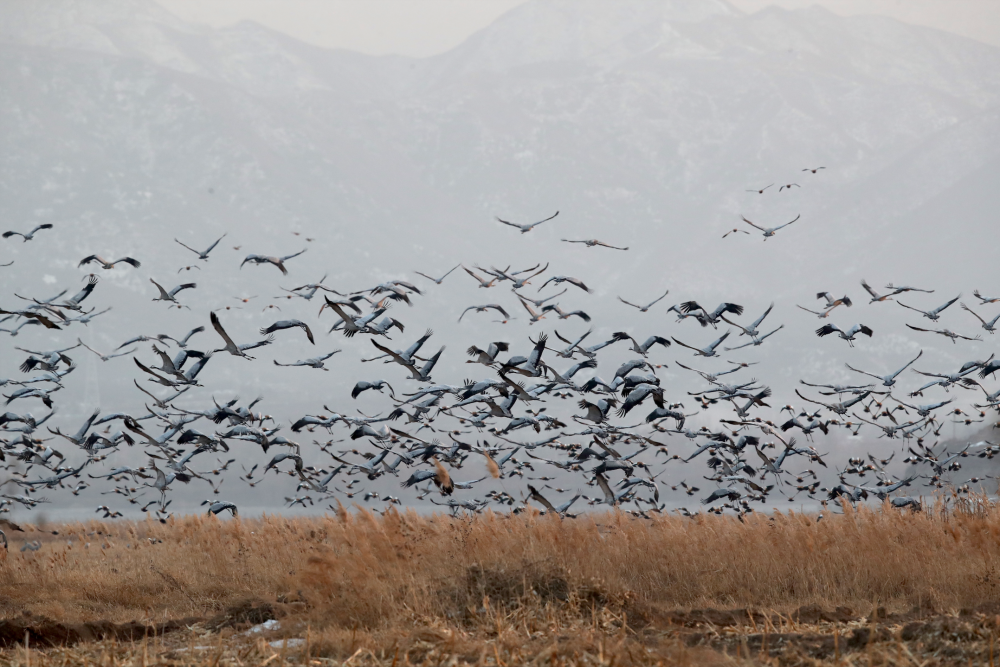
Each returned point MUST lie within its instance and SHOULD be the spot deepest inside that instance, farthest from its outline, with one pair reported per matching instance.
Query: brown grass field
(873, 587)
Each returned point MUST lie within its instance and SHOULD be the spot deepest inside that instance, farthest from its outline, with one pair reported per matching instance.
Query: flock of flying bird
(446, 442)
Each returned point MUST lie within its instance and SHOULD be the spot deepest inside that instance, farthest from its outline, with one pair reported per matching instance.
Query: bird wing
(964, 307)
(309, 333)
(918, 328)
(506, 223)
(753, 225)
(810, 400)
(192, 249)
(721, 338)
(868, 289)
(686, 345)
(211, 247)
(536, 496)
(761, 318)
(150, 371)
(786, 224)
(84, 293)
(89, 348)
(911, 307)
(163, 292)
(738, 326)
(632, 304)
(288, 257)
(602, 482)
(499, 308)
(940, 308)
(655, 301)
(217, 325)
(395, 357)
(548, 218)
(473, 274)
(772, 332)
(184, 286)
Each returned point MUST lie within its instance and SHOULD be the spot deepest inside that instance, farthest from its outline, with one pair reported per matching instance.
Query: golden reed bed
(876, 585)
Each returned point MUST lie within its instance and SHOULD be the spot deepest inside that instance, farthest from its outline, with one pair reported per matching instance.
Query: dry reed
(360, 581)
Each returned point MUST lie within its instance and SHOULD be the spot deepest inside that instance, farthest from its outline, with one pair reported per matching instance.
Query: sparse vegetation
(881, 585)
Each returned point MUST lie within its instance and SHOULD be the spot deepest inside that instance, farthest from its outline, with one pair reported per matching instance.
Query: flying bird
(527, 228)
(876, 297)
(989, 326)
(289, 324)
(591, 243)
(566, 279)
(482, 309)
(888, 380)
(984, 299)
(708, 351)
(172, 294)
(933, 315)
(203, 254)
(30, 235)
(770, 231)
(438, 280)
(944, 332)
(643, 309)
(277, 261)
(105, 264)
(315, 362)
(848, 335)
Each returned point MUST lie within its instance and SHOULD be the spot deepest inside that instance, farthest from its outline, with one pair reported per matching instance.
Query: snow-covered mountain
(644, 123)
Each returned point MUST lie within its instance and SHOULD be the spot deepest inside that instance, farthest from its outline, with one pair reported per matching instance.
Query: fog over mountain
(643, 123)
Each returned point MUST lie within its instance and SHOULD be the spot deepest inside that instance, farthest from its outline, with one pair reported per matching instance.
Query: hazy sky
(426, 27)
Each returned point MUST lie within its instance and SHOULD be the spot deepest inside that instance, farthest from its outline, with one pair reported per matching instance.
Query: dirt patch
(43, 632)
(727, 618)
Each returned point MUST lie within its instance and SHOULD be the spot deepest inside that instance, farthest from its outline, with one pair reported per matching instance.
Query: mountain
(643, 123)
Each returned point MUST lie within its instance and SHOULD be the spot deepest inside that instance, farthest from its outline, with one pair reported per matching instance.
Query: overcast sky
(427, 27)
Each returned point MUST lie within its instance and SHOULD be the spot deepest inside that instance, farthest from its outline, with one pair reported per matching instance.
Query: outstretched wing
(288, 257)
(217, 325)
(192, 249)
(631, 304)
(786, 224)
(211, 247)
(686, 345)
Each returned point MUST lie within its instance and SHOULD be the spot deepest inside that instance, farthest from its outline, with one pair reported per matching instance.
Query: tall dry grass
(359, 570)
